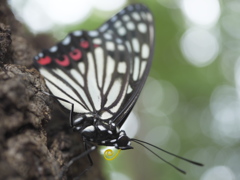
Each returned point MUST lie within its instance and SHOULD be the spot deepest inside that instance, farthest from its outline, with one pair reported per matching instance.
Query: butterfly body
(100, 132)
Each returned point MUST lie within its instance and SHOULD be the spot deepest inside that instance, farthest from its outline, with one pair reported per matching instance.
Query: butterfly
(98, 76)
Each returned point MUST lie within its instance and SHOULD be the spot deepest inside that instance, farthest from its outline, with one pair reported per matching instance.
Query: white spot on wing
(53, 49)
(109, 31)
(118, 40)
(103, 27)
(145, 51)
(136, 68)
(136, 16)
(110, 46)
(122, 12)
(66, 41)
(117, 24)
(130, 26)
(135, 44)
(121, 31)
(40, 54)
(97, 41)
(77, 33)
(126, 18)
(114, 18)
(107, 36)
(93, 33)
(122, 67)
(121, 47)
(142, 27)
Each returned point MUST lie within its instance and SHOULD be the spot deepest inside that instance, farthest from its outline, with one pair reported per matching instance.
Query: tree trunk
(35, 138)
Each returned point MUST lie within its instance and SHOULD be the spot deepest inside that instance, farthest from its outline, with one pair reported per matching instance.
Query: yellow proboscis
(109, 153)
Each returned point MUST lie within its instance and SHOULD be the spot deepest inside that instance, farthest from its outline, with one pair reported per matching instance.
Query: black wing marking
(102, 71)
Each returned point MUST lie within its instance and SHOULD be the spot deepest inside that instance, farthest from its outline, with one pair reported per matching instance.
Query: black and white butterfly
(98, 75)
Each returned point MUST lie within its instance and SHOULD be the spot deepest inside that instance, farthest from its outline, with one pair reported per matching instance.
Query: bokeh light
(43, 15)
(201, 12)
(199, 43)
(199, 47)
(225, 106)
(220, 173)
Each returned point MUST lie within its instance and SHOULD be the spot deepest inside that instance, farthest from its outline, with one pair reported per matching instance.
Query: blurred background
(190, 104)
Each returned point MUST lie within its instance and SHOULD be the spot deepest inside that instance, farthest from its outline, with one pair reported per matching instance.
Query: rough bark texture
(32, 144)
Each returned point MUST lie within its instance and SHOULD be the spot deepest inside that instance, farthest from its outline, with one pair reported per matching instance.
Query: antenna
(140, 142)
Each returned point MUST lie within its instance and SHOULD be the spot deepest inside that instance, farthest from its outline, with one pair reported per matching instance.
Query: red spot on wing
(44, 61)
(76, 54)
(96, 45)
(84, 44)
(64, 62)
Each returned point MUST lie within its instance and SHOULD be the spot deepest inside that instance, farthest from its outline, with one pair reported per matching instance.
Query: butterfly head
(123, 141)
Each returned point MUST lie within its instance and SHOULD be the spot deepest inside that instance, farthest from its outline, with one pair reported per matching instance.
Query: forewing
(134, 26)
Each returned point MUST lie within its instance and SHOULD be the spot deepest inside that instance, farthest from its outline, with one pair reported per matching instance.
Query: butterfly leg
(64, 100)
(74, 159)
(89, 158)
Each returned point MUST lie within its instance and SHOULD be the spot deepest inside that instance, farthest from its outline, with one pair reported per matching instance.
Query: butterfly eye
(76, 54)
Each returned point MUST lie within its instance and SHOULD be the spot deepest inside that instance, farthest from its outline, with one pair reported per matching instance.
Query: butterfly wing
(80, 70)
(102, 71)
(134, 26)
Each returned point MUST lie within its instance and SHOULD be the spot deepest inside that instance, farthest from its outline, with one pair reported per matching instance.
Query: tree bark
(35, 138)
